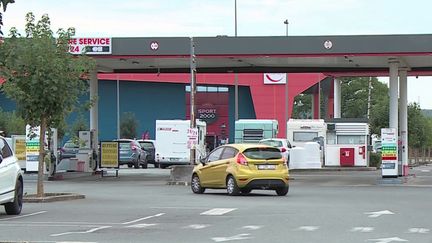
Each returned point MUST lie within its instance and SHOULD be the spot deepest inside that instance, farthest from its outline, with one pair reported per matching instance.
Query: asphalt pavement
(139, 206)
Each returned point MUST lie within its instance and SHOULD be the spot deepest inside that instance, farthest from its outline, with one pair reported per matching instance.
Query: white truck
(172, 140)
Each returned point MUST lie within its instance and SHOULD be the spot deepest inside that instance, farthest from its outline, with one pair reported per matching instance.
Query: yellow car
(241, 168)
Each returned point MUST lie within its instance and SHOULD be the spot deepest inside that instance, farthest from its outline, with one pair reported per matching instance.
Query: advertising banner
(90, 46)
(109, 155)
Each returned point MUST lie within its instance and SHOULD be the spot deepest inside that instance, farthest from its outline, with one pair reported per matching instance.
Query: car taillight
(241, 159)
(283, 150)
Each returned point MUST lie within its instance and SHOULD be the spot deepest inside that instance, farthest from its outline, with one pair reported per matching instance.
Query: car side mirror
(203, 161)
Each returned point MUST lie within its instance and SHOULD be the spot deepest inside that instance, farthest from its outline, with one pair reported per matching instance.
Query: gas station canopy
(367, 55)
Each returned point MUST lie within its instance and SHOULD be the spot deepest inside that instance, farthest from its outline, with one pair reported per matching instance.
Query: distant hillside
(427, 113)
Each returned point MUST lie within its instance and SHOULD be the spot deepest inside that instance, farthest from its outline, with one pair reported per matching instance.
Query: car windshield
(274, 143)
(70, 145)
(147, 145)
(263, 153)
(125, 145)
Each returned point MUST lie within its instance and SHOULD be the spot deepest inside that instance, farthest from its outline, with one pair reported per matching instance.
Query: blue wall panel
(147, 101)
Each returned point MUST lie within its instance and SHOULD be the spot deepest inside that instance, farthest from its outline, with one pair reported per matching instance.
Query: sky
(151, 18)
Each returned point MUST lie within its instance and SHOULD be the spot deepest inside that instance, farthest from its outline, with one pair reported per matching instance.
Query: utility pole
(369, 97)
(286, 23)
(192, 96)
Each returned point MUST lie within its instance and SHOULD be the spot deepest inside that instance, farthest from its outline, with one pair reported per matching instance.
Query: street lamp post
(286, 23)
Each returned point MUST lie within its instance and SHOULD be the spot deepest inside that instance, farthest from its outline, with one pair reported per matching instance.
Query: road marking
(196, 226)
(140, 226)
(425, 170)
(252, 227)
(235, 237)
(307, 228)
(419, 230)
(83, 232)
(23, 216)
(362, 229)
(388, 240)
(379, 213)
(218, 211)
(141, 219)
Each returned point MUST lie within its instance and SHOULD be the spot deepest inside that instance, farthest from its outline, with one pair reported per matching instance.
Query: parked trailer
(301, 131)
(172, 142)
(253, 130)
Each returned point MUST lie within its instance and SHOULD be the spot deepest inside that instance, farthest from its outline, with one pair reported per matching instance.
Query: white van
(172, 142)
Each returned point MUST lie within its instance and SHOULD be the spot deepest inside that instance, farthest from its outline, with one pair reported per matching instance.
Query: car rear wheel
(137, 164)
(232, 188)
(282, 191)
(196, 185)
(15, 207)
(245, 191)
(145, 164)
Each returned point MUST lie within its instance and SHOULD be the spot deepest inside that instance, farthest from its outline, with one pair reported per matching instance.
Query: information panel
(109, 155)
(389, 154)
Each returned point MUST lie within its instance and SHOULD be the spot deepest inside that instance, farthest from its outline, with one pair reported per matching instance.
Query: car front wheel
(196, 185)
(15, 207)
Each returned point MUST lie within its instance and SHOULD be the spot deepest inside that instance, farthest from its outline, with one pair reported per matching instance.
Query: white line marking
(388, 240)
(379, 213)
(235, 237)
(83, 232)
(362, 229)
(140, 226)
(307, 228)
(252, 227)
(23, 216)
(196, 226)
(141, 219)
(218, 211)
(419, 230)
(425, 170)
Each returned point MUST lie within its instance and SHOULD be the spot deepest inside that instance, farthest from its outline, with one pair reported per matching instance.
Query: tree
(355, 101)
(3, 3)
(42, 77)
(128, 125)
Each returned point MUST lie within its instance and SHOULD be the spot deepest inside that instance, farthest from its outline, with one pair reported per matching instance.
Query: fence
(419, 156)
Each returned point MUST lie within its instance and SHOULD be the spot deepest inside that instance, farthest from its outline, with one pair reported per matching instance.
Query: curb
(324, 169)
(51, 197)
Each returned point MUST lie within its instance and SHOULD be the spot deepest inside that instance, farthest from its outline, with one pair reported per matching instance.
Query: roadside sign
(19, 143)
(109, 155)
(192, 134)
(389, 154)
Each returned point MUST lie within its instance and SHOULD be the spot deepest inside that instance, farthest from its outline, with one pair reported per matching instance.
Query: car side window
(229, 153)
(215, 155)
(5, 150)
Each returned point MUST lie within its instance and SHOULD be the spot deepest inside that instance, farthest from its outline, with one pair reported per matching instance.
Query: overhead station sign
(90, 46)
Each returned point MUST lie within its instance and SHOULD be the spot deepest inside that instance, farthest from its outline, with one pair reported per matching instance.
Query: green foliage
(302, 108)
(355, 101)
(128, 125)
(3, 3)
(375, 160)
(419, 127)
(42, 77)
(80, 124)
(11, 124)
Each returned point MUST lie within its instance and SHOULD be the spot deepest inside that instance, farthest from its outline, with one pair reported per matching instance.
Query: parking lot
(139, 206)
